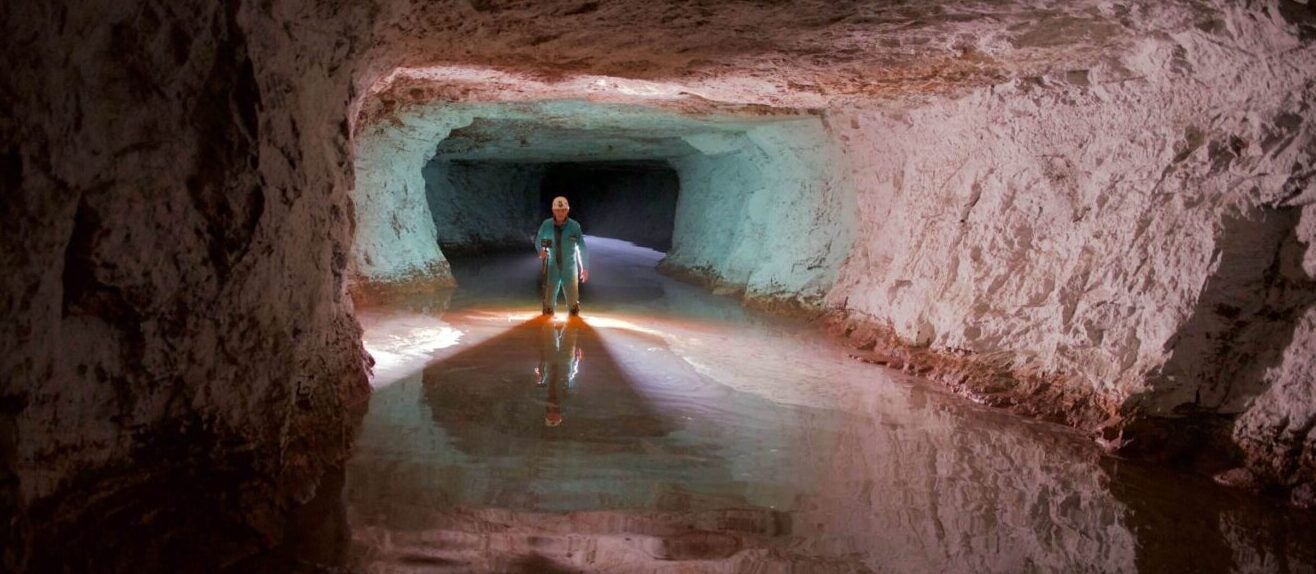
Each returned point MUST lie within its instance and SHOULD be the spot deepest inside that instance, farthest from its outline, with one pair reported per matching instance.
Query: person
(565, 260)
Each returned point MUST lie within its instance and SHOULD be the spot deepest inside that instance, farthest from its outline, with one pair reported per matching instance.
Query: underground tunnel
(633, 201)
(863, 286)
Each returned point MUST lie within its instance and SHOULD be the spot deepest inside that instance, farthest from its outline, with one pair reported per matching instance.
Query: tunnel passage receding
(753, 200)
(633, 201)
(479, 206)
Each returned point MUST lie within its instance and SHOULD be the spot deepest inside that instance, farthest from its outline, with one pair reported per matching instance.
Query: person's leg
(572, 284)
(552, 284)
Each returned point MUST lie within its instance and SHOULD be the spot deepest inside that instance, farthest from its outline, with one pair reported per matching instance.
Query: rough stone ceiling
(532, 142)
(775, 53)
(572, 130)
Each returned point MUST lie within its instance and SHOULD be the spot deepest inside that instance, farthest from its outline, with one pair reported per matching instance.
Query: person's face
(560, 213)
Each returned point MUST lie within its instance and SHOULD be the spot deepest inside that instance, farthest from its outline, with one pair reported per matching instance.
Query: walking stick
(546, 245)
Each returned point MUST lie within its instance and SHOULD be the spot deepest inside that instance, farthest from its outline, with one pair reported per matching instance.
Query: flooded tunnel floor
(668, 429)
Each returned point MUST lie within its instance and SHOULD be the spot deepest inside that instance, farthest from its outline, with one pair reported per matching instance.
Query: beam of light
(403, 345)
(637, 344)
(613, 322)
(510, 316)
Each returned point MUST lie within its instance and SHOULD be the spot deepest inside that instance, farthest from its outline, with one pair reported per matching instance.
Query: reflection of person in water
(559, 362)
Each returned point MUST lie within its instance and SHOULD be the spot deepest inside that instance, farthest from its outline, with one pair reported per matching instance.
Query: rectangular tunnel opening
(632, 201)
(482, 208)
(753, 203)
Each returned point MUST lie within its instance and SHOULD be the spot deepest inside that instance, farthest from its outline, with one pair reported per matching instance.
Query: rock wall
(482, 206)
(1278, 431)
(396, 238)
(765, 213)
(180, 359)
(179, 352)
(1087, 211)
(1131, 228)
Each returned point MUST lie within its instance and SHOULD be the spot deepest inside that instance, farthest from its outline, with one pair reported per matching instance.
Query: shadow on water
(538, 442)
(542, 380)
(1186, 523)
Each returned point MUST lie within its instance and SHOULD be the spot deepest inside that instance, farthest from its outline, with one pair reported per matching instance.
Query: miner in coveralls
(562, 249)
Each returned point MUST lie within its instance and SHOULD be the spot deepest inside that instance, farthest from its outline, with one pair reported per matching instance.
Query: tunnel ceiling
(531, 141)
(578, 138)
(791, 54)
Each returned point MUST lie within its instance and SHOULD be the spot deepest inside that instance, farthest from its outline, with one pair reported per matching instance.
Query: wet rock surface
(1115, 253)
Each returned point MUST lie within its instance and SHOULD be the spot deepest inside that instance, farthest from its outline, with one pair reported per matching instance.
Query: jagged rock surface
(180, 359)
(1124, 227)
(482, 206)
(1278, 431)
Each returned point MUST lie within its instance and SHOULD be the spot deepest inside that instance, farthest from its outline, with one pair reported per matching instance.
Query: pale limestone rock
(480, 206)
(1105, 197)
(1278, 431)
(1131, 232)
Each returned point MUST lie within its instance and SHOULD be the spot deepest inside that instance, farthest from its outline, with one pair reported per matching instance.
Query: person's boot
(548, 311)
(575, 310)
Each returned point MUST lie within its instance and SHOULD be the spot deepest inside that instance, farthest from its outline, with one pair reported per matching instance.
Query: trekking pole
(547, 246)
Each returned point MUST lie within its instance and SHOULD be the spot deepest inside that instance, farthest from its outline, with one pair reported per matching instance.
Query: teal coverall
(566, 257)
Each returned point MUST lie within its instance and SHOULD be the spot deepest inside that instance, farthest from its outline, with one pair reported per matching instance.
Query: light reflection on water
(694, 436)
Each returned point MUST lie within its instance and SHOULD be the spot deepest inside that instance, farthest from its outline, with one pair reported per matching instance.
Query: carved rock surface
(179, 351)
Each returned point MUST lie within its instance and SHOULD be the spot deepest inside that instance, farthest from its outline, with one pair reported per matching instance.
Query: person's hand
(543, 254)
(584, 275)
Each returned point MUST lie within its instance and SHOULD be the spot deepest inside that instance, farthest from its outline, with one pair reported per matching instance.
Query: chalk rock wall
(1131, 226)
(178, 221)
(178, 351)
(764, 213)
(396, 240)
(1278, 432)
(480, 206)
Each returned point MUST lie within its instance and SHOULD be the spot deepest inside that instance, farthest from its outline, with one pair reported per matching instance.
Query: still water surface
(670, 430)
